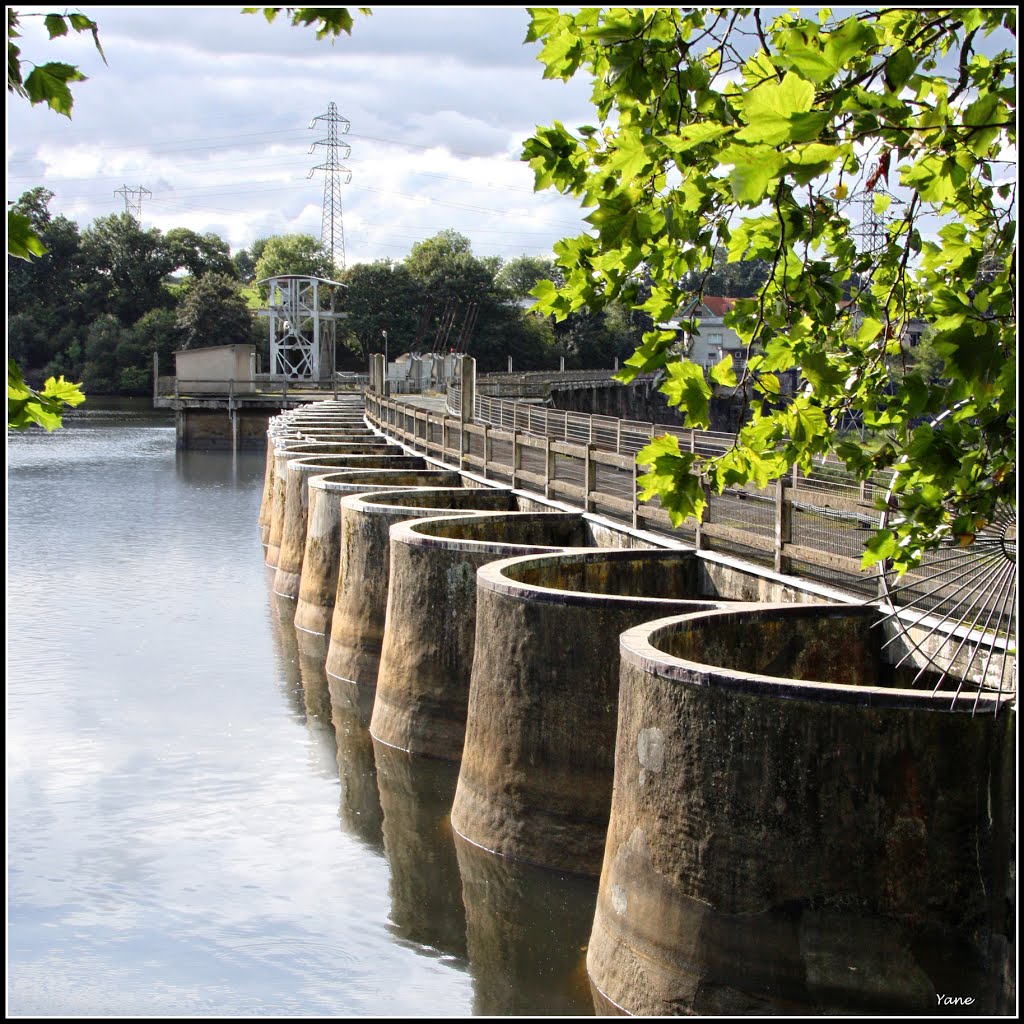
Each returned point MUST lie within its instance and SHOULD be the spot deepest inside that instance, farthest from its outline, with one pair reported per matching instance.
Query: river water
(192, 828)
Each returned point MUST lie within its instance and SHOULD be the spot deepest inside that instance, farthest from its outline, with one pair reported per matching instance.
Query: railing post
(589, 477)
(636, 506)
(783, 525)
(706, 518)
(549, 459)
(516, 458)
(487, 449)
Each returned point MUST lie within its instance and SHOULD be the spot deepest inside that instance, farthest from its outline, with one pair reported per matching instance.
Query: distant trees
(292, 254)
(101, 301)
(214, 312)
(97, 304)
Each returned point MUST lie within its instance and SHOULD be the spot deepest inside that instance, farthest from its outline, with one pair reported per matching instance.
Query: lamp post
(387, 389)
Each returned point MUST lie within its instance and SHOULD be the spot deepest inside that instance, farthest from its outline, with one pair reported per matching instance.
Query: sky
(209, 110)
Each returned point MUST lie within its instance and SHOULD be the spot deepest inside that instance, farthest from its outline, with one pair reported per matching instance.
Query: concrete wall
(209, 369)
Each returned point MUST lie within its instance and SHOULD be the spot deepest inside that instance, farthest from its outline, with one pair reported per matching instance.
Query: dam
(793, 800)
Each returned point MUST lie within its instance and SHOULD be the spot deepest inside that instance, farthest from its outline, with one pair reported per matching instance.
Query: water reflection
(359, 810)
(426, 891)
(286, 648)
(527, 930)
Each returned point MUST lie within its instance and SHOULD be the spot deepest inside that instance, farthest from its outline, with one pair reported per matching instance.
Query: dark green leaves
(328, 21)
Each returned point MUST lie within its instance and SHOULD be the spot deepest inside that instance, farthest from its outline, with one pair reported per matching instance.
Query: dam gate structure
(792, 799)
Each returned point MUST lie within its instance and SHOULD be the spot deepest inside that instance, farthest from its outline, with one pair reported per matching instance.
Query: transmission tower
(332, 235)
(133, 200)
(874, 226)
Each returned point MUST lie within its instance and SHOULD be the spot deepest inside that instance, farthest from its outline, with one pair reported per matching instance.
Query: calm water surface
(192, 827)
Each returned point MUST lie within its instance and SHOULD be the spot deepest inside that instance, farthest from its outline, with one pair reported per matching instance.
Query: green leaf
(880, 546)
(755, 170)
(723, 374)
(48, 84)
(22, 241)
(55, 25)
(770, 110)
(670, 479)
(687, 388)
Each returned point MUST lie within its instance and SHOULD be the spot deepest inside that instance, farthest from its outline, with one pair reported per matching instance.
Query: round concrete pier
(273, 483)
(794, 831)
(360, 607)
(544, 692)
(318, 584)
(427, 653)
(287, 492)
(296, 504)
(283, 438)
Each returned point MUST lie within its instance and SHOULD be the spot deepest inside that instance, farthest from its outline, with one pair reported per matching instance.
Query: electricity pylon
(133, 200)
(332, 234)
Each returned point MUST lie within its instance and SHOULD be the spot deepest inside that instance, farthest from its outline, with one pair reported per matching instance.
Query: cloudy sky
(209, 110)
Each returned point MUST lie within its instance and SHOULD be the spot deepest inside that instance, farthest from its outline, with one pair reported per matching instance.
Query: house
(712, 340)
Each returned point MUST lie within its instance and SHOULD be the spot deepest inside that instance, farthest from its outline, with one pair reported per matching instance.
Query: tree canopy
(868, 154)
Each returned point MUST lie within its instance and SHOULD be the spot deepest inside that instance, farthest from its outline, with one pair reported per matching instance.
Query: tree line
(100, 301)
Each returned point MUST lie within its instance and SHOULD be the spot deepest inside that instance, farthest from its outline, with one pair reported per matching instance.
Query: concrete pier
(544, 691)
(360, 607)
(287, 492)
(318, 584)
(427, 653)
(298, 473)
(793, 831)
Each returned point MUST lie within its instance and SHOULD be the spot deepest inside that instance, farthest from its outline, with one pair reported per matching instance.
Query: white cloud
(209, 110)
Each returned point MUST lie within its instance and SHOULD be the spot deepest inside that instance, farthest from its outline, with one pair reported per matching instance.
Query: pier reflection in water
(173, 837)
(520, 931)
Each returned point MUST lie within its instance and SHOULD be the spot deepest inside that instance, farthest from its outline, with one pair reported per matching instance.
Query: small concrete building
(210, 369)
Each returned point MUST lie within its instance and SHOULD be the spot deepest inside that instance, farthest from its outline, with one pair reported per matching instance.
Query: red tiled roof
(718, 305)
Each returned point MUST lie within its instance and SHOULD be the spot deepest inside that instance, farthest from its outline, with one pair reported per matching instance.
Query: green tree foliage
(129, 266)
(520, 276)
(717, 128)
(381, 296)
(44, 407)
(198, 254)
(46, 83)
(328, 21)
(214, 312)
(293, 254)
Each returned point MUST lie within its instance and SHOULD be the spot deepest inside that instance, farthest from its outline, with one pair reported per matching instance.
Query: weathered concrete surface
(810, 841)
(288, 495)
(536, 776)
(526, 932)
(427, 654)
(298, 473)
(360, 606)
(318, 582)
(282, 433)
(273, 485)
(283, 439)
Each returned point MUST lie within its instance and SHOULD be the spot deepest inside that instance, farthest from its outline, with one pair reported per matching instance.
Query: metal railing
(261, 386)
(590, 462)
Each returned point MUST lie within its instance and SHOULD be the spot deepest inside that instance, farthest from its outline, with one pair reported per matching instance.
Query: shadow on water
(520, 931)
(527, 930)
(426, 890)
